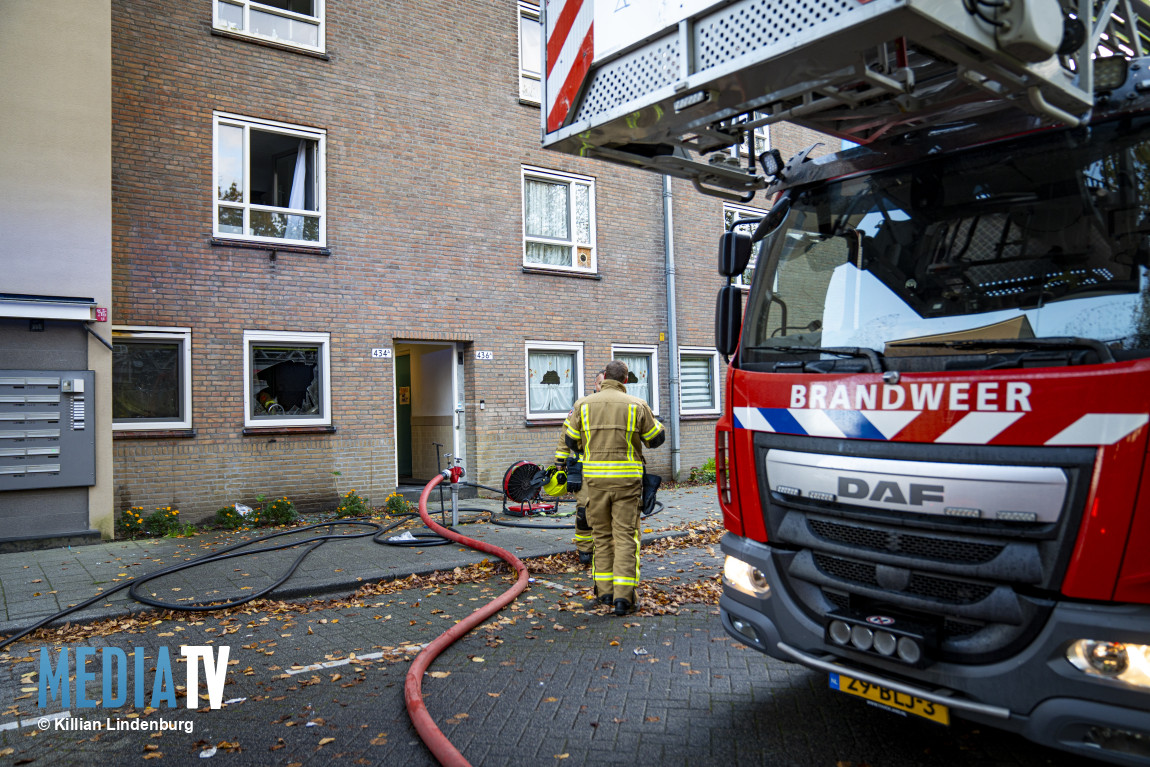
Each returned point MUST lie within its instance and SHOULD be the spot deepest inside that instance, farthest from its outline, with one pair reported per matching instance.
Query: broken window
(554, 379)
(642, 372)
(287, 379)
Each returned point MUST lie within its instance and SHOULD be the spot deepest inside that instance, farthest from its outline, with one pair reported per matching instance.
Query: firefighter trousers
(584, 541)
(613, 513)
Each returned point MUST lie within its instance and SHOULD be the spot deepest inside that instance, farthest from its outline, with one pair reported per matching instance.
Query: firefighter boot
(623, 607)
(583, 539)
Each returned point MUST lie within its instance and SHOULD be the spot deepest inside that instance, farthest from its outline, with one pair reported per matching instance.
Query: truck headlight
(1129, 663)
(746, 578)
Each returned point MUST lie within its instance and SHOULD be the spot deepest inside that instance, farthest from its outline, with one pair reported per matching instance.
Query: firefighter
(610, 428)
(583, 539)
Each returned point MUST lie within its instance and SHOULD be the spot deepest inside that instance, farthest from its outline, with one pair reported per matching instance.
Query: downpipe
(446, 753)
(672, 328)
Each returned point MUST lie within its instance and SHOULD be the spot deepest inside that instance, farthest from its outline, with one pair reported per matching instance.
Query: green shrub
(705, 475)
(230, 518)
(281, 511)
(396, 505)
(164, 521)
(351, 505)
(131, 522)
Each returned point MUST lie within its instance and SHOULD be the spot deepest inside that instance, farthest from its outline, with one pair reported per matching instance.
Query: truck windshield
(1044, 237)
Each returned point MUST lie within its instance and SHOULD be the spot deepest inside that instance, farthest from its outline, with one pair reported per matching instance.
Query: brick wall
(425, 143)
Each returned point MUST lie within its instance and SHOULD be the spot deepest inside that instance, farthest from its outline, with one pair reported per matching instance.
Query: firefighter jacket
(610, 428)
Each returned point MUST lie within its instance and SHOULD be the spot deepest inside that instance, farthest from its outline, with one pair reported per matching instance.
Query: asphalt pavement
(316, 676)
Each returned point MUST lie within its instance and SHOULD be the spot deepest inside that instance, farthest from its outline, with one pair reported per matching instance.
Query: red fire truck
(933, 457)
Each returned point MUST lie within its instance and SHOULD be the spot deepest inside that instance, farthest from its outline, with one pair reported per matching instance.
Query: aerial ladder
(679, 87)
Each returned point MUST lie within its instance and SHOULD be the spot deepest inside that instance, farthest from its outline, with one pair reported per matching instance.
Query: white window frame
(744, 211)
(713, 354)
(323, 340)
(550, 346)
(268, 126)
(653, 353)
(183, 337)
(529, 11)
(571, 179)
(763, 134)
(246, 8)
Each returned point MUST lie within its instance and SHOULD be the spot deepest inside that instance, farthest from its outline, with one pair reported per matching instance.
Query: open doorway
(429, 421)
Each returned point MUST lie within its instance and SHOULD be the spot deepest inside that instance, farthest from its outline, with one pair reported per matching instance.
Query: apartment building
(339, 254)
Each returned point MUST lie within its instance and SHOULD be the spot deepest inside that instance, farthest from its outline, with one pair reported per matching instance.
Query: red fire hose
(447, 754)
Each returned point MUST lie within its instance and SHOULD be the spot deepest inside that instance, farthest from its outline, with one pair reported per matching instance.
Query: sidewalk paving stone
(70, 575)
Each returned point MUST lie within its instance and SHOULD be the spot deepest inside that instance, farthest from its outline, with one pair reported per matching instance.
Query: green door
(403, 413)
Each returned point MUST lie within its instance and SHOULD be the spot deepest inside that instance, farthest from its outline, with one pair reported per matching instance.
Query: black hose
(236, 550)
(227, 552)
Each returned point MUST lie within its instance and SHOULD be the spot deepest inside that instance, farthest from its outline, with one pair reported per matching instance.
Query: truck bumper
(1036, 693)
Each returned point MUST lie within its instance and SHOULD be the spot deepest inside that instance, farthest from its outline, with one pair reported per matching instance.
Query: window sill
(269, 43)
(154, 434)
(562, 273)
(272, 247)
(529, 102)
(700, 417)
(260, 431)
(548, 422)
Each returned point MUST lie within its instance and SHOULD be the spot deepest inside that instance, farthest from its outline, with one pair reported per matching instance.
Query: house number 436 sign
(484, 355)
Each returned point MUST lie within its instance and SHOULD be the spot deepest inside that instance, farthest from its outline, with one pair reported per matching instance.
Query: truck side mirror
(734, 253)
(728, 319)
(774, 218)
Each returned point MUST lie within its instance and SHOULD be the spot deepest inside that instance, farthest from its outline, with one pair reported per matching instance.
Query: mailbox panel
(47, 437)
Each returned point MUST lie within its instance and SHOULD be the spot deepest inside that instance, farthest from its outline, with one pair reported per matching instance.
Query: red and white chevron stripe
(570, 48)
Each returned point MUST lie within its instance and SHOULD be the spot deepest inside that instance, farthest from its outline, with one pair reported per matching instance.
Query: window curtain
(297, 195)
(546, 215)
(550, 382)
(697, 390)
(639, 368)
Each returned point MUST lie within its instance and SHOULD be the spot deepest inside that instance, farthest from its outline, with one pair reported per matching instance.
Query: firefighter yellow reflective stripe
(603, 577)
(630, 432)
(562, 455)
(584, 418)
(612, 468)
(621, 580)
(582, 537)
(570, 432)
(658, 427)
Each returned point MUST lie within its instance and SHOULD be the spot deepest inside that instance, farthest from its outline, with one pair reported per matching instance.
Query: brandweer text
(984, 395)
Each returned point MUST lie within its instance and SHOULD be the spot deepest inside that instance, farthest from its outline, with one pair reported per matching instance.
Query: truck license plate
(898, 701)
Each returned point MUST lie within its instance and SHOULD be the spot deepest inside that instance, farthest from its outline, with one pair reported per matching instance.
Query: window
(554, 378)
(558, 220)
(530, 53)
(269, 181)
(297, 23)
(287, 379)
(151, 378)
(698, 375)
(642, 372)
(735, 213)
(762, 137)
